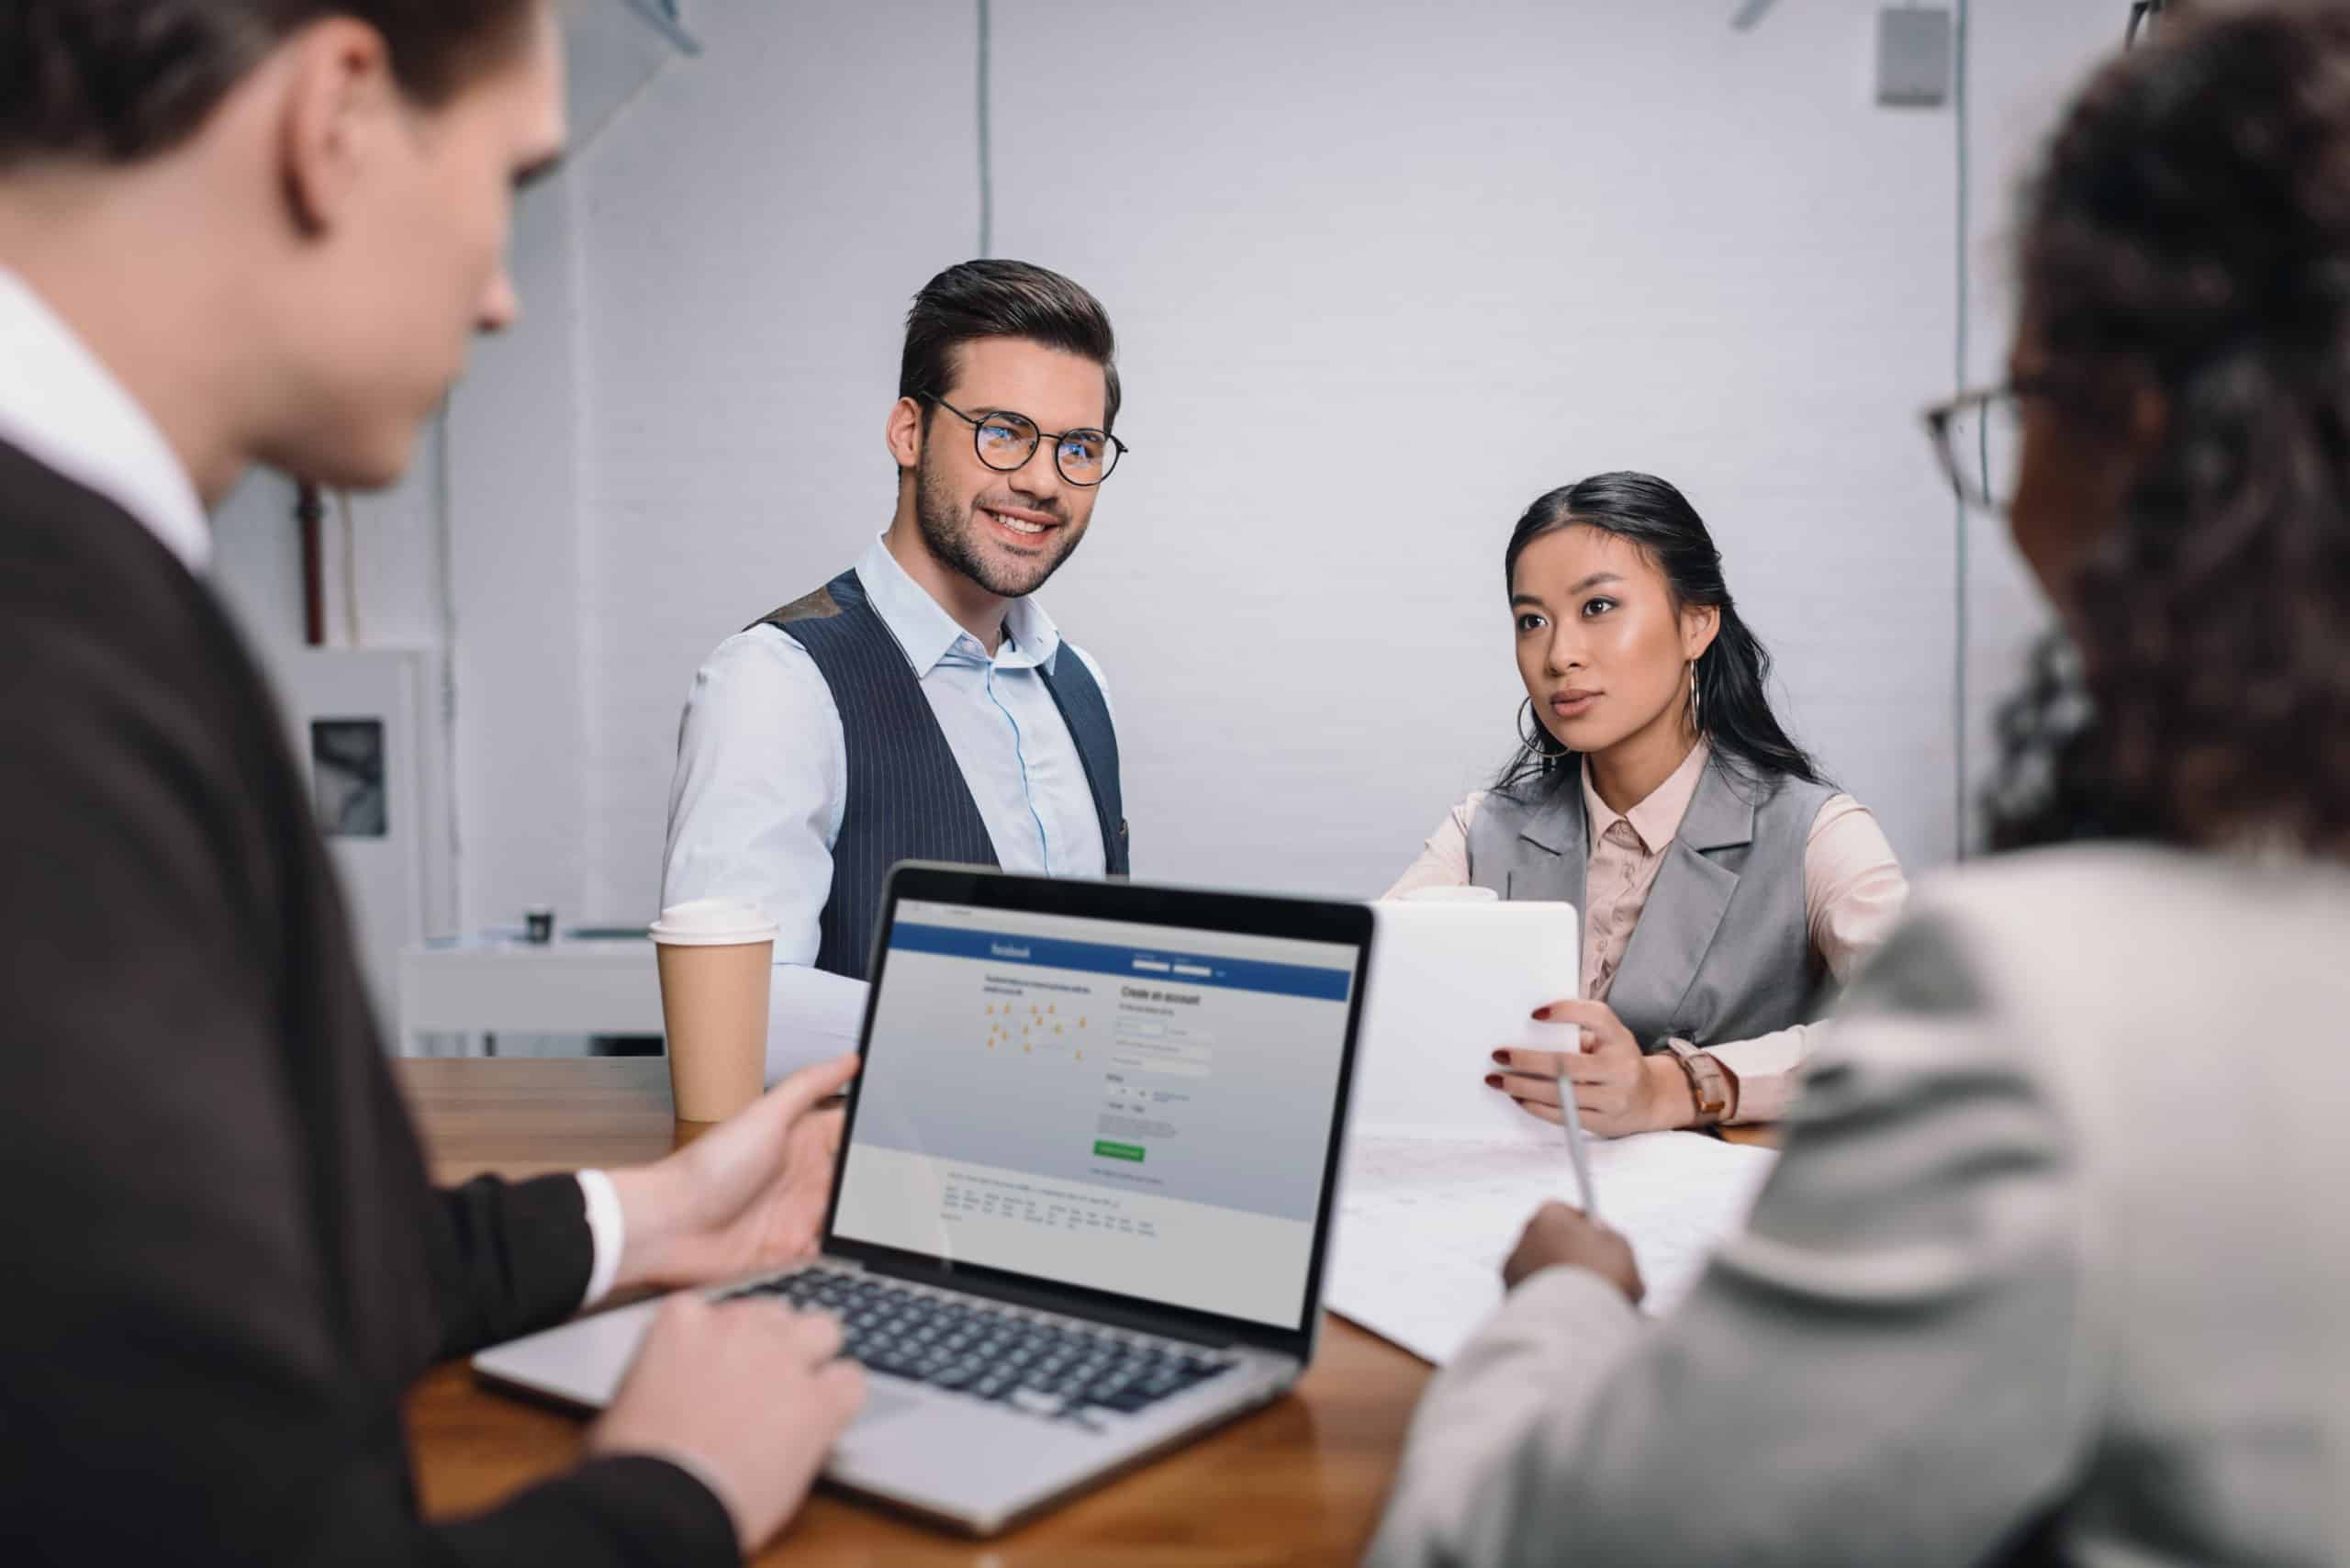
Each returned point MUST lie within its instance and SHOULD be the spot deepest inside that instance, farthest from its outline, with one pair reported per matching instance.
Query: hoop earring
(1539, 743)
(1530, 737)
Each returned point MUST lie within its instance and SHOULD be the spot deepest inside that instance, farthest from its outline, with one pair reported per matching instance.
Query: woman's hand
(1618, 1090)
(1560, 1236)
(747, 1195)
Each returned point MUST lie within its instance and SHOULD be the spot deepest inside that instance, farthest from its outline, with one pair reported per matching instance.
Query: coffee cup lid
(713, 923)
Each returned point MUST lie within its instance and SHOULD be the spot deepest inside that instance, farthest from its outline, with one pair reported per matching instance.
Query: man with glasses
(920, 705)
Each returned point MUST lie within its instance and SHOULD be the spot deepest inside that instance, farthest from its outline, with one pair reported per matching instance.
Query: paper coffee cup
(717, 959)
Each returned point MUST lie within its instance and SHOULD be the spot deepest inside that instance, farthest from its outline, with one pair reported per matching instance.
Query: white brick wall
(1382, 273)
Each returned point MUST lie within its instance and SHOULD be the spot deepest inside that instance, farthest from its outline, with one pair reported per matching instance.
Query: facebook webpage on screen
(1131, 1108)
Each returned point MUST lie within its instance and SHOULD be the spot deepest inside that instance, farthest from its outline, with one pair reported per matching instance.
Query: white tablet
(1451, 978)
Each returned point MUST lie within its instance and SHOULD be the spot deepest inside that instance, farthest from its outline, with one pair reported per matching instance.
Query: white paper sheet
(1425, 1221)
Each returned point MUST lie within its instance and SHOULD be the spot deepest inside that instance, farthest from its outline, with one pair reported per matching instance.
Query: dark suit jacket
(224, 1261)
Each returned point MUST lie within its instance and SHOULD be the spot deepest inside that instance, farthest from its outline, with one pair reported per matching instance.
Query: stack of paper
(1442, 1172)
(1425, 1221)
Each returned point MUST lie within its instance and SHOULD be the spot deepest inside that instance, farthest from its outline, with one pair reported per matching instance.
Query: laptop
(1084, 1191)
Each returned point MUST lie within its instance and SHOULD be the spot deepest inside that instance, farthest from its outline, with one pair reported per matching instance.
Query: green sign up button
(1118, 1151)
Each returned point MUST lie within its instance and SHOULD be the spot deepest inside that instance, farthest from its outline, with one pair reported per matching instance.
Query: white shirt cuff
(607, 1227)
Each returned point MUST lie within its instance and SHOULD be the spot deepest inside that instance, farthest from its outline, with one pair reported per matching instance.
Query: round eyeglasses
(1006, 441)
(1978, 437)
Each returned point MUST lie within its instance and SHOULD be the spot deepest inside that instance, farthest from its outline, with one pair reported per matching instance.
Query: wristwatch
(1712, 1087)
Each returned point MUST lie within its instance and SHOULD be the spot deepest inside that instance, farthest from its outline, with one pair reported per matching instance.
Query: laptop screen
(1139, 1109)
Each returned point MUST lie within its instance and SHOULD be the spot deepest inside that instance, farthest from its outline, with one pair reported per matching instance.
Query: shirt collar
(65, 409)
(1657, 818)
(928, 634)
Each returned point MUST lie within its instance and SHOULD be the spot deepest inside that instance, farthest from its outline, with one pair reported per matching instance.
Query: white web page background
(1229, 1093)
(1138, 1131)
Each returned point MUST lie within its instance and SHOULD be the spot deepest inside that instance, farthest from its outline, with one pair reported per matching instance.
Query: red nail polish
(1541, 1012)
(1502, 1057)
(1492, 1080)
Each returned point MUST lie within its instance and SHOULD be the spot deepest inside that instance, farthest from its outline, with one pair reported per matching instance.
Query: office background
(1382, 273)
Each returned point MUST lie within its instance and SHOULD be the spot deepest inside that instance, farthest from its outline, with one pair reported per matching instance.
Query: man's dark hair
(118, 81)
(1002, 299)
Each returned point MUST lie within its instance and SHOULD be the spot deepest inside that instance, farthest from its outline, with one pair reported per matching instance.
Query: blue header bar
(1157, 968)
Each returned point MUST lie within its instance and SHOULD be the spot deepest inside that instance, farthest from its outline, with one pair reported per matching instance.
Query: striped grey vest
(1722, 951)
(906, 796)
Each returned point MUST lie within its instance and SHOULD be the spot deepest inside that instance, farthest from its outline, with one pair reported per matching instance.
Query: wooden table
(1300, 1481)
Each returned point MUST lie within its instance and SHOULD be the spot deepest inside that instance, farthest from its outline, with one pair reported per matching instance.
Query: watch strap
(1712, 1088)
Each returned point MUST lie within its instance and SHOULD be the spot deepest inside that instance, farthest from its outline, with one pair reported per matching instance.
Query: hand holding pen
(1559, 1235)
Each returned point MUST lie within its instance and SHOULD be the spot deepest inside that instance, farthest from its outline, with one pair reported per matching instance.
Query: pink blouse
(1852, 894)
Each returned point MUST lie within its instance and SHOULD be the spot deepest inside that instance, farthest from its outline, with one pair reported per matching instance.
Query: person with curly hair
(2047, 1271)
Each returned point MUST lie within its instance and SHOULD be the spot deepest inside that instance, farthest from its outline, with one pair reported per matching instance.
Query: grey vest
(1722, 951)
(906, 796)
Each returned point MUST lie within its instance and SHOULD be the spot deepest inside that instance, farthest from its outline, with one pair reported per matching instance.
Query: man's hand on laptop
(745, 1196)
(744, 1395)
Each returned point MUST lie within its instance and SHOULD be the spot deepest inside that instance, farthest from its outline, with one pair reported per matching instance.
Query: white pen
(1570, 1118)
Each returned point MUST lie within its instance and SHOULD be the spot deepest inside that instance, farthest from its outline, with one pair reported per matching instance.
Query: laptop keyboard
(1045, 1365)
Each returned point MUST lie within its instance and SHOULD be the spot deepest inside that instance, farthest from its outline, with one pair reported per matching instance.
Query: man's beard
(950, 531)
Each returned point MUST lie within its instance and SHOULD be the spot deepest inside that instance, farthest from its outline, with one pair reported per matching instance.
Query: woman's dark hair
(121, 81)
(997, 298)
(2188, 234)
(1733, 705)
